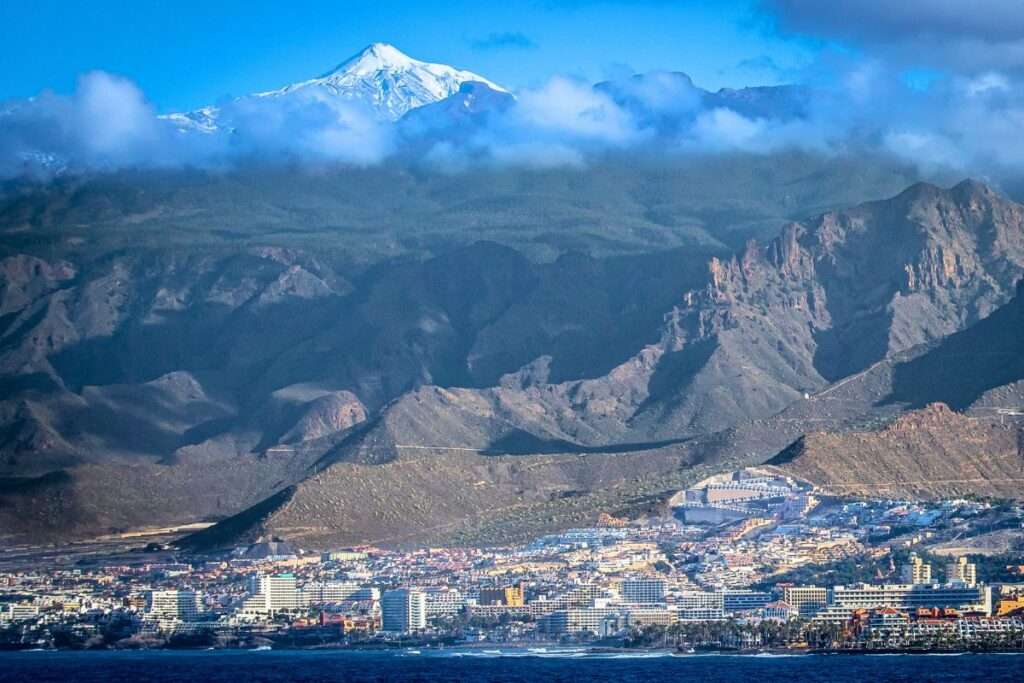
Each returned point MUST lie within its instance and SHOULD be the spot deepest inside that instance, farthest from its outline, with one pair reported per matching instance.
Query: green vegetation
(862, 569)
(734, 635)
(619, 205)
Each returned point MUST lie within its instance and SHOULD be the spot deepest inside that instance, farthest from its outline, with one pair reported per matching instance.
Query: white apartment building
(275, 593)
(700, 600)
(169, 605)
(279, 592)
(970, 629)
(743, 600)
(806, 601)
(913, 596)
(443, 602)
(644, 591)
(700, 605)
(403, 610)
(172, 609)
(323, 592)
(595, 619)
(18, 611)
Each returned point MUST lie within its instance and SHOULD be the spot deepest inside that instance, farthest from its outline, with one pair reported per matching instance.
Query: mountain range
(424, 98)
(397, 355)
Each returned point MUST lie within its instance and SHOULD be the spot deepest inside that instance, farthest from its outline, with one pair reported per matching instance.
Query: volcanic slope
(455, 497)
(858, 441)
(276, 363)
(933, 453)
(824, 302)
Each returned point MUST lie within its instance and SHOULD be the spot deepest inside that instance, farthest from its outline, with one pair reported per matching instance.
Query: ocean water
(511, 666)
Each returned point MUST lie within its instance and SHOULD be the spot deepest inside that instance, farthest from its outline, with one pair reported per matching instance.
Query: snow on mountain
(381, 77)
(472, 103)
(202, 120)
(389, 80)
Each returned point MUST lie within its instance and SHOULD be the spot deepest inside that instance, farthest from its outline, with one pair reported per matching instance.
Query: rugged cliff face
(277, 363)
(850, 288)
(825, 300)
(759, 325)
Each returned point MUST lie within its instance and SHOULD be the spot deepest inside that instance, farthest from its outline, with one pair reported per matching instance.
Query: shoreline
(517, 650)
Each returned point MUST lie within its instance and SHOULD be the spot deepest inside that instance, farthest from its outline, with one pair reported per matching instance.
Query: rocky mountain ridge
(276, 366)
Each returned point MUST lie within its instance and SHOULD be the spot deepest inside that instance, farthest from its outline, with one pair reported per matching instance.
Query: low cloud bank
(108, 124)
(970, 123)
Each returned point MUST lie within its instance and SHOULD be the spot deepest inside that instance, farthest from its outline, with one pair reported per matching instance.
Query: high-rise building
(336, 591)
(280, 592)
(173, 604)
(172, 607)
(274, 593)
(962, 571)
(700, 600)
(805, 601)
(916, 571)
(700, 605)
(403, 610)
(443, 601)
(643, 591)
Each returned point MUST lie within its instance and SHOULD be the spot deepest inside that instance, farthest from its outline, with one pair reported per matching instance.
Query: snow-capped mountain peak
(380, 77)
(376, 57)
(388, 80)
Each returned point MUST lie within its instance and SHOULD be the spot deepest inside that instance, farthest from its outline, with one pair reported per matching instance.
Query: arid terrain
(452, 391)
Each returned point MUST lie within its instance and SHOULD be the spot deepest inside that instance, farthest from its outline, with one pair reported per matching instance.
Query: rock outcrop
(280, 362)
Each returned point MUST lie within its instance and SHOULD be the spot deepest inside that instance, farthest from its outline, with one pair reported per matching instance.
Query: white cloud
(724, 128)
(306, 125)
(987, 83)
(970, 123)
(112, 117)
(574, 109)
(928, 149)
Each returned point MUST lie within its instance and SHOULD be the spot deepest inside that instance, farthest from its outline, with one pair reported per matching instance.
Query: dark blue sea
(516, 666)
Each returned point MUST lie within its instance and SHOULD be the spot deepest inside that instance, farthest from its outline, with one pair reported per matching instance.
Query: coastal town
(748, 561)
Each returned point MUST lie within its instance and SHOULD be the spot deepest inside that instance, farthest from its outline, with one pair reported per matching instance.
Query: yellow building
(1006, 607)
(916, 571)
(509, 596)
(962, 570)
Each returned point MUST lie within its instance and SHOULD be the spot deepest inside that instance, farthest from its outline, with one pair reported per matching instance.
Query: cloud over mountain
(382, 104)
(107, 121)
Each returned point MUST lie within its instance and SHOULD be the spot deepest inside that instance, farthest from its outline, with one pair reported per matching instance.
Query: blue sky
(187, 53)
(938, 82)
